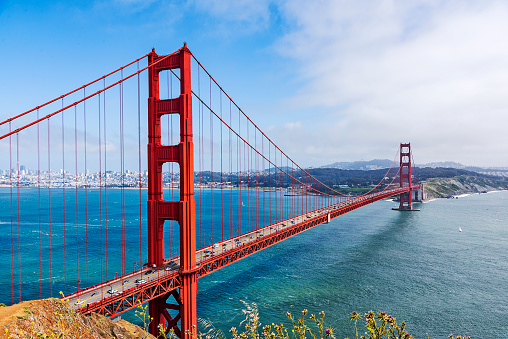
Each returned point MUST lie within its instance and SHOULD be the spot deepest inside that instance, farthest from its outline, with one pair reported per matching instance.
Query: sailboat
(460, 229)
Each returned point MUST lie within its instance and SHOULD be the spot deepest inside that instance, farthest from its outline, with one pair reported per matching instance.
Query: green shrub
(380, 326)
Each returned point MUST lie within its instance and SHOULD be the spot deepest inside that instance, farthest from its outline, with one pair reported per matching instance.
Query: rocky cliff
(448, 187)
(53, 318)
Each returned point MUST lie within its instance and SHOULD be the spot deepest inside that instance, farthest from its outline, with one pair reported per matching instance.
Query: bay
(416, 266)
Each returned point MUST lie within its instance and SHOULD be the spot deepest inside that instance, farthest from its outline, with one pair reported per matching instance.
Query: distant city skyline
(372, 164)
(324, 80)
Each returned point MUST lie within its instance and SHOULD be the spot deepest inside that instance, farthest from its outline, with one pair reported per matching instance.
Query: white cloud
(384, 72)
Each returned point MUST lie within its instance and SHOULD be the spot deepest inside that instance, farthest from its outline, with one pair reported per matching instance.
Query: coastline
(462, 195)
(460, 187)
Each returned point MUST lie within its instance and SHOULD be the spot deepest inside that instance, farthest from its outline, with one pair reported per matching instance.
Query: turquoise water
(415, 265)
(80, 229)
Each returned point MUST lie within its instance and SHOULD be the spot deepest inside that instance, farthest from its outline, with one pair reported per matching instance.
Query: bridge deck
(121, 294)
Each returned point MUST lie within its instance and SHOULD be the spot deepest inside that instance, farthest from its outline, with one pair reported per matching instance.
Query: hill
(441, 182)
(463, 184)
(361, 165)
(385, 163)
(49, 318)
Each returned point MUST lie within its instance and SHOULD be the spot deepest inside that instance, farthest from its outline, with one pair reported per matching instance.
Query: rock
(450, 187)
(54, 317)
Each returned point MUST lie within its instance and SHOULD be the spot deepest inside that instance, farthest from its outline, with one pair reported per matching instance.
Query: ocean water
(84, 237)
(416, 266)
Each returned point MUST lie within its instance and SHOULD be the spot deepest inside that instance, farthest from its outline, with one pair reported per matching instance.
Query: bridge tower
(405, 177)
(182, 211)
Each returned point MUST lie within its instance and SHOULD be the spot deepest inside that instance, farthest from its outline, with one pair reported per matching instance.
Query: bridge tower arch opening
(183, 210)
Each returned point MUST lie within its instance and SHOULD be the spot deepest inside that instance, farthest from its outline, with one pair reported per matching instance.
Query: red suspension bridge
(217, 189)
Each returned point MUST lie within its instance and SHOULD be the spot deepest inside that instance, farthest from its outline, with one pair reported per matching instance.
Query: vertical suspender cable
(249, 219)
(269, 187)
(39, 205)
(200, 169)
(200, 164)
(121, 168)
(287, 190)
(275, 184)
(245, 164)
(100, 178)
(312, 195)
(139, 174)
(278, 174)
(284, 188)
(203, 165)
(12, 218)
(254, 185)
(105, 185)
(19, 219)
(122, 174)
(263, 173)
(307, 195)
(239, 176)
(297, 190)
(281, 189)
(76, 180)
(256, 207)
(211, 166)
(280, 183)
(304, 193)
(221, 182)
(49, 217)
(304, 188)
(245, 199)
(294, 192)
(230, 174)
(63, 203)
(86, 194)
(246, 167)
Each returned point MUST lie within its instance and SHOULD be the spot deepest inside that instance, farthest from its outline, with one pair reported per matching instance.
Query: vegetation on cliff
(376, 326)
(463, 184)
(438, 182)
(53, 318)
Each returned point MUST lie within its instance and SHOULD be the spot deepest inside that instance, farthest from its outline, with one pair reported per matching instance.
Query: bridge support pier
(158, 310)
(183, 210)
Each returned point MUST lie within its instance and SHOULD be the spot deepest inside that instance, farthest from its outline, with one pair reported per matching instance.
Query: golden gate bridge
(216, 188)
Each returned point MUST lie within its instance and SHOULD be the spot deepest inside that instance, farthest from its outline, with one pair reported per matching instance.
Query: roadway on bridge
(135, 279)
(171, 267)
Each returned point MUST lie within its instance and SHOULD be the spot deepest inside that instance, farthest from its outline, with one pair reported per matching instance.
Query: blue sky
(326, 80)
